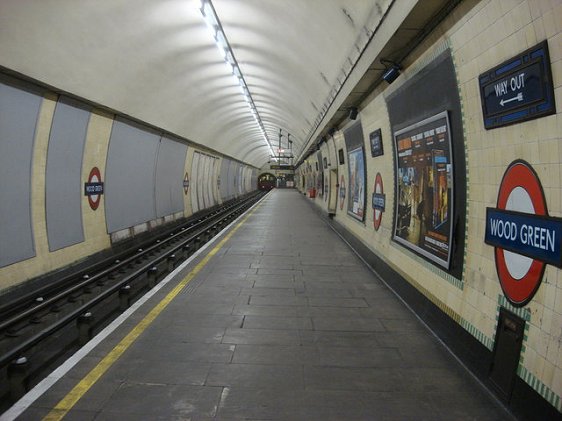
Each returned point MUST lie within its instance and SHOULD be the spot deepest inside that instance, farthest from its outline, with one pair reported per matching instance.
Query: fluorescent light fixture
(212, 27)
(222, 51)
(215, 28)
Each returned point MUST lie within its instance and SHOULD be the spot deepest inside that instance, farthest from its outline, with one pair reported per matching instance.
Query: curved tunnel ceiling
(156, 61)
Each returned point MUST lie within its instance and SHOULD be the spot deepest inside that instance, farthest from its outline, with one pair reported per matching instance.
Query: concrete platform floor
(284, 322)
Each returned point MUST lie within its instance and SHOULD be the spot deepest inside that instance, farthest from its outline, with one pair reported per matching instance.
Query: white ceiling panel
(156, 61)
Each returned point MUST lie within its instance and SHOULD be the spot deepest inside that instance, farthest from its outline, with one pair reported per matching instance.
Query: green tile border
(548, 394)
(459, 283)
(481, 337)
(436, 50)
(466, 163)
(524, 313)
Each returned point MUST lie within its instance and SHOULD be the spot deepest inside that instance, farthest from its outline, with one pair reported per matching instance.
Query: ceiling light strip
(211, 19)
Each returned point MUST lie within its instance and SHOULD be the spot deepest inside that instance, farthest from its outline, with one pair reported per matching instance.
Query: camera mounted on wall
(392, 70)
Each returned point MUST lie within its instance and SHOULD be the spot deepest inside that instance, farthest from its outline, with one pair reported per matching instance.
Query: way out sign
(519, 89)
(524, 236)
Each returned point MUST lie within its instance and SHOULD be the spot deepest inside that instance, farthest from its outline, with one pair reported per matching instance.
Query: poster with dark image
(341, 158)
(376, 143)
(356, 188)
(424, 203)
(320, 182)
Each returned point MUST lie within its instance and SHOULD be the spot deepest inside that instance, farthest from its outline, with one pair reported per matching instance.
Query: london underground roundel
(93, 188)
(525, 238)
(378, 202)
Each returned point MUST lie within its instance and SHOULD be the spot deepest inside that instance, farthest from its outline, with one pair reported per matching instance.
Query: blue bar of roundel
(521, 244)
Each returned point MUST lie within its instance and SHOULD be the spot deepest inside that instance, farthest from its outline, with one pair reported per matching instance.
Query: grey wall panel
(240, 180)
(254, 185)
(211, 182)
(242, 185)
(194, 182)
(19, 110)
(224, 178)
(129, 178)
(169, 177)
(200, 182)
(230, 180)
(63, 183)
(248, 179)
(215, 170)
(208, 181)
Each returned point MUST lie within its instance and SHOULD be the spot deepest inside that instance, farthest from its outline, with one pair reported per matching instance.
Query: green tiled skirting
(550, 396)
(524, 313)
(540, 387)
(486, 341)
(543, 390)
(466, 163)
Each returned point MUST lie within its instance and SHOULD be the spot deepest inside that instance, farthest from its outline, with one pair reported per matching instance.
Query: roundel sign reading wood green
(524, 236)
(93, 188)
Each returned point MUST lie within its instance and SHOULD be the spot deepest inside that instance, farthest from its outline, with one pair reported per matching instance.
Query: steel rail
(58, 296)
(20, 349)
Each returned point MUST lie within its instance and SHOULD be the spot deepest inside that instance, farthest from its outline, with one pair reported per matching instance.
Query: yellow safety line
(68, 402)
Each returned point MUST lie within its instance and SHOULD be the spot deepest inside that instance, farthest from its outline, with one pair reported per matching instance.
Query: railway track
(41, 329)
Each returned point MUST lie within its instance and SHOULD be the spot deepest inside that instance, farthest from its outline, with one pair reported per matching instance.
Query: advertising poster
(375, 138)
(320, 181)
(356, 190)
(424, 205)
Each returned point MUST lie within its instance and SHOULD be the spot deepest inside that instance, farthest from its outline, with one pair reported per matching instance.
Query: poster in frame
(375, 138)
(424, 197)
(357, 181)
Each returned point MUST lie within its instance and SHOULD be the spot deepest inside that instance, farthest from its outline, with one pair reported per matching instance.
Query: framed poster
(340, 156)
(375, 138)
(424, 197)
(356, 187)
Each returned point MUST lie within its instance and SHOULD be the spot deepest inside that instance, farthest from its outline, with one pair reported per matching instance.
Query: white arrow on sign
(519, 97)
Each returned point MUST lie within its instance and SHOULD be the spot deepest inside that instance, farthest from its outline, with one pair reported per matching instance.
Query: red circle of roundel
(94, 177)
(342, 192)
(520, 291)
(377, 221)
